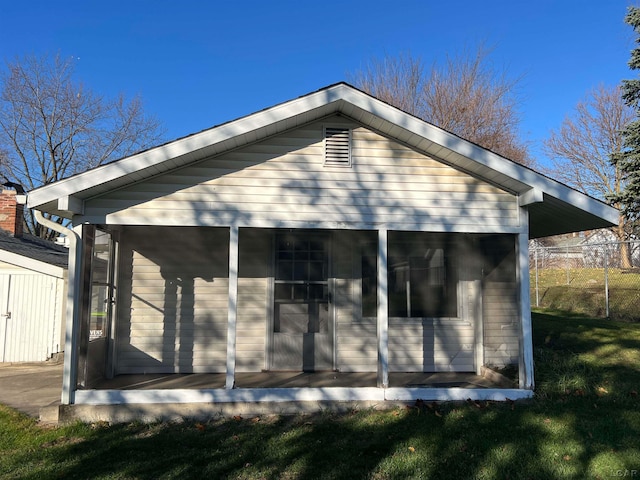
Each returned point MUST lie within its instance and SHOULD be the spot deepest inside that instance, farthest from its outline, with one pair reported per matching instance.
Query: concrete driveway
(28, 387)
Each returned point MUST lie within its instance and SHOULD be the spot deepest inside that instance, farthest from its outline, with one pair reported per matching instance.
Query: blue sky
(200, 63)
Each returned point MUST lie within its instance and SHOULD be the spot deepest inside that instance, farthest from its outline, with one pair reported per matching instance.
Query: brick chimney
(11, 214)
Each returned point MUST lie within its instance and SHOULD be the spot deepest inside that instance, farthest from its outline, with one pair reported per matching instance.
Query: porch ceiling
(554, 217)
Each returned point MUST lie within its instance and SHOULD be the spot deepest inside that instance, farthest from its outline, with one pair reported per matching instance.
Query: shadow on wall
(173, 300)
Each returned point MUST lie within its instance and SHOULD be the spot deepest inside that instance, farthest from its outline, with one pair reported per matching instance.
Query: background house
(33, 274)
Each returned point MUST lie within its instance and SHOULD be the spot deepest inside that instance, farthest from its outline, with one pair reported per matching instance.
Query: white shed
(32, 290)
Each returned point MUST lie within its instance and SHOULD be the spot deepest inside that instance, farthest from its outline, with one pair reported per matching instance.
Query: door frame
(331, 333)
(97, 354)
(113, 277)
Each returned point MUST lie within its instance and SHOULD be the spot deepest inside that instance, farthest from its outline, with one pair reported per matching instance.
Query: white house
(331, 233)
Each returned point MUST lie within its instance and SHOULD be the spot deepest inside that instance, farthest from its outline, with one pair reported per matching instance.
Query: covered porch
(247, 314)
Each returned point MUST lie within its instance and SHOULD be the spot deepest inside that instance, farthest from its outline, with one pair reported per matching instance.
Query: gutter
(72, 323)
(56, 227)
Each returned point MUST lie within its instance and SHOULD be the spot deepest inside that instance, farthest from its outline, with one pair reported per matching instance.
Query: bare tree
(581, 150)
(466, 95)
(52, 127)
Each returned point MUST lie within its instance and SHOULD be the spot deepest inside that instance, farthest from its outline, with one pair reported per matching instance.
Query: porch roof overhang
(554, 208)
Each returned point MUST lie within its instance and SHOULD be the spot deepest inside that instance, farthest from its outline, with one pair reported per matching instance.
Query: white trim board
(31, 264)
(213, 219)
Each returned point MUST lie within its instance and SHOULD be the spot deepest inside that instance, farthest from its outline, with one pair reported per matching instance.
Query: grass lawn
(582, 290)
(583, 423)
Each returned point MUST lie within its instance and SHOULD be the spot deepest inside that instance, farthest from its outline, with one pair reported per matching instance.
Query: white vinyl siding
(356, 338)
(282, 181)
(253, 294)
(415, 345)
(501, 324)
(439, 344)
(251, 324)
(430, 346)
(173, 293)
(500, 304)
(357, 345)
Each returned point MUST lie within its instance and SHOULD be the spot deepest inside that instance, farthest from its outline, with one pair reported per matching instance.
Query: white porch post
(526, 338)
(232, 307)
(383, 311)
(478, 323)
(72, 328)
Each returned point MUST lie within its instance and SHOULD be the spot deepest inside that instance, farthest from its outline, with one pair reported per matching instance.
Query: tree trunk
(625, 255)
(625, 251)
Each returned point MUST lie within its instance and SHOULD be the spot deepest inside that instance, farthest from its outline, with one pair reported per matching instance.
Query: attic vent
(337, 146)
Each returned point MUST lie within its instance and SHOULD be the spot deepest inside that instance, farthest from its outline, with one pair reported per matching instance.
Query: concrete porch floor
(294, 380)
(160, 397)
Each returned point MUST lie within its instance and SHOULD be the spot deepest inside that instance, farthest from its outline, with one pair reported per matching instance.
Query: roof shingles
(35, 248)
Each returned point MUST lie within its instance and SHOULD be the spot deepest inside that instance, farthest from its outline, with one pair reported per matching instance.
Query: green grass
(582, 290)
(583, 423)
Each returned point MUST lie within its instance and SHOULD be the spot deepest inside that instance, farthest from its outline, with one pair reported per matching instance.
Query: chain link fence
(598, 279)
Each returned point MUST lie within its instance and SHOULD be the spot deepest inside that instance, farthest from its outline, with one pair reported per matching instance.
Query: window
(422, 277)
(100, 285)
(301, 290)
(337, 146)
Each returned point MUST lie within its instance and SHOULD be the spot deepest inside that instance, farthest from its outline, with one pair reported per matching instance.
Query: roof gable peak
(62, 197)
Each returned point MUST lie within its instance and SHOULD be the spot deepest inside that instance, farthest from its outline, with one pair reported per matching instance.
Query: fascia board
(531, 196)
(180, 147)
(31, 264)
(480, 155)
(71, 204)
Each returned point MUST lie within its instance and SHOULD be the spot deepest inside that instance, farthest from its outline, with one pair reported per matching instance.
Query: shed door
(302, 327)
(29, 317)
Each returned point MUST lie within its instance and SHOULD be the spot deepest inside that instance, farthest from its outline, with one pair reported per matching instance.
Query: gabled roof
(34, 253)
(553, 207)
